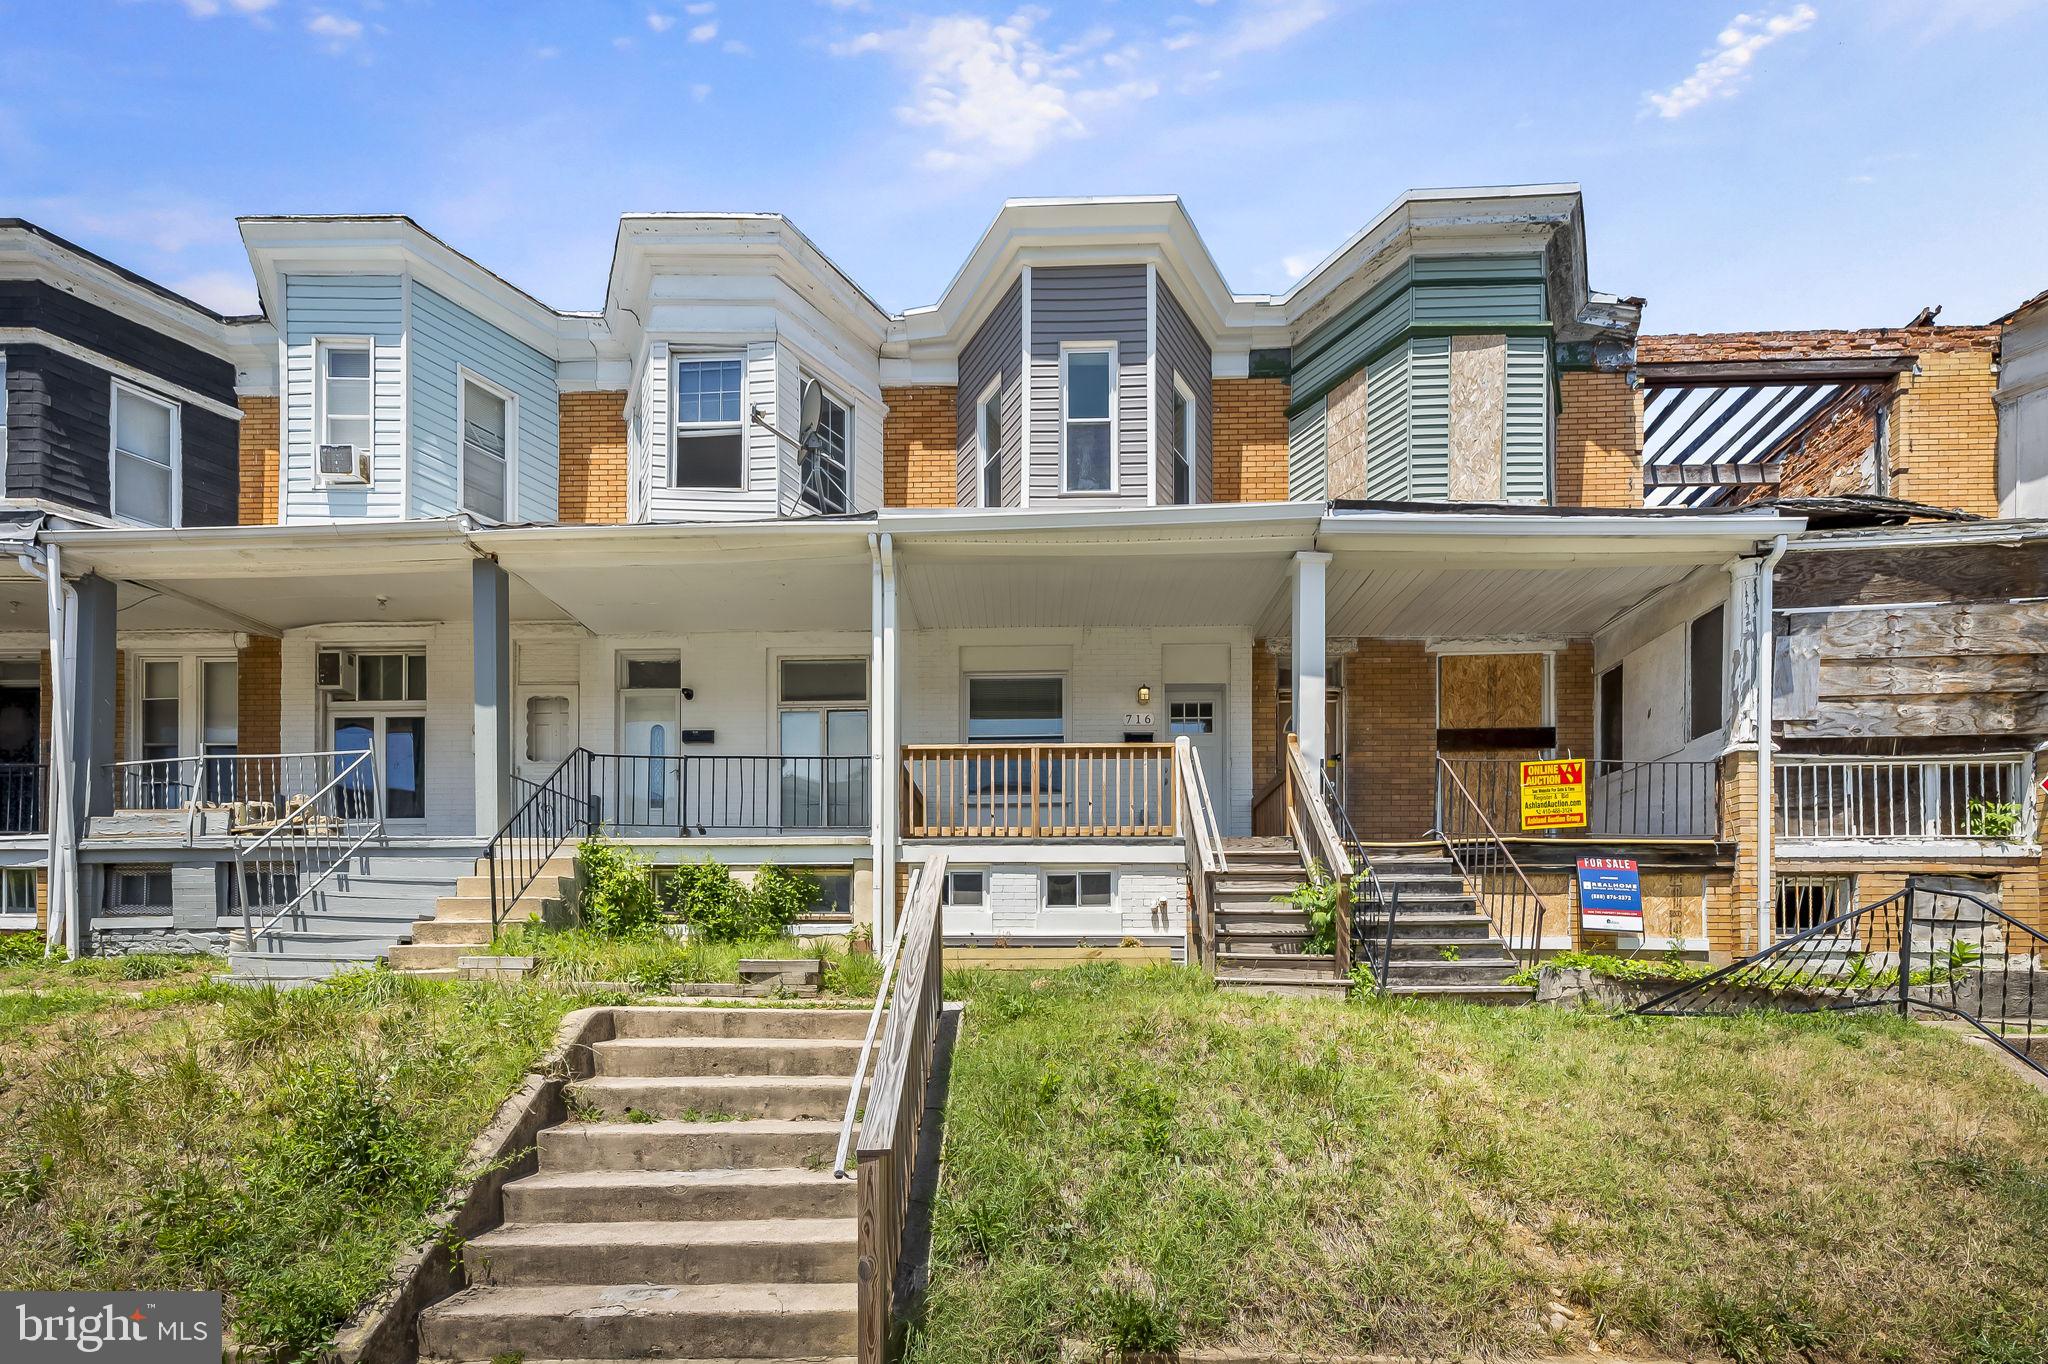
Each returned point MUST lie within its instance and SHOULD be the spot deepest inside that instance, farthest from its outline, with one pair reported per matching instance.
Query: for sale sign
(1554, 794)
(1610, 895)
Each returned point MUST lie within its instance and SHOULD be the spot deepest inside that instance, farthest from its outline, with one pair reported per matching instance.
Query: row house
(344, 595)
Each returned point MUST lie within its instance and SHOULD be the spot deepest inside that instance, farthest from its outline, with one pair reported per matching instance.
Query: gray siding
(996, 352)
(1183, 355)
(1089, 303)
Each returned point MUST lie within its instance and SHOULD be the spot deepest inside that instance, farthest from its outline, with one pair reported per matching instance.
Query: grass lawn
(283, 1146)
(653, 961)
(1134, 1160)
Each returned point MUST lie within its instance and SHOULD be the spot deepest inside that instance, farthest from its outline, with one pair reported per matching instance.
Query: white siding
(760, 499)
(371, 306)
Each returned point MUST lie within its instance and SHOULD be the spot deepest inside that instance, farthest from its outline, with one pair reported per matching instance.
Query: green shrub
(1317, 898)
(779, 897)
(717, 908)
(1992, 818)
(19, 948)
(618, 888)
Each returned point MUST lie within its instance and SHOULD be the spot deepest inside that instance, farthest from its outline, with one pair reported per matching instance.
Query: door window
(822, 736)
(387, 718)
(548, 727)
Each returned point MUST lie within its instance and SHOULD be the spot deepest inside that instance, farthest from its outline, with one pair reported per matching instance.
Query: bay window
(1087, 421)
(709, 441)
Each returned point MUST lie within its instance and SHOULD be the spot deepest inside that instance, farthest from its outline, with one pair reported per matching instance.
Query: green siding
(1386, 427)
(1525, 439)
(1429, 418)
(1308, 454)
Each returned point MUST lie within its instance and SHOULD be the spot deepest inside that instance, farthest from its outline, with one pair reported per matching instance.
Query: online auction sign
(1554, 794)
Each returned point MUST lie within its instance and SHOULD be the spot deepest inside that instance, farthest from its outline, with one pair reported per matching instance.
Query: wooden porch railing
(1202, 846)
(892, 1125)
(1039, 791)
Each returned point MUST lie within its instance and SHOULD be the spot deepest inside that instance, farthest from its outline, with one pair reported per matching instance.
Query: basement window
(138, 888)
(18, 891)
(966, 889)
(1804, 902)
(1080, 890)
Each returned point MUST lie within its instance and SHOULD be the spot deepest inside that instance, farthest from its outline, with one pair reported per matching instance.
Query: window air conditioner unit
(335, 673)
(345, 464)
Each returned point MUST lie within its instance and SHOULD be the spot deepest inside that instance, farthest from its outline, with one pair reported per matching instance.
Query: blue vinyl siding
(446, 336)
(371, 306)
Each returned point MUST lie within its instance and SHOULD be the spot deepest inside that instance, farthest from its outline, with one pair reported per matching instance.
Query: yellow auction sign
(1554, 794)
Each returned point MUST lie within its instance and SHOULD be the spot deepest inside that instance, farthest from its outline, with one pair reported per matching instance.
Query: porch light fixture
(1144, 695)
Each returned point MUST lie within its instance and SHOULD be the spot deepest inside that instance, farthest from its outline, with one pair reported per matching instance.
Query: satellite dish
(813, 404)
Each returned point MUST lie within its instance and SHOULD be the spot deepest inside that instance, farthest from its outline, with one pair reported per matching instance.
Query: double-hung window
(1087, 426)
(988, 444)
(710, 444)
(145, 457)
(822, 461)
(487, 425)
(1183, 438)
(345, 396)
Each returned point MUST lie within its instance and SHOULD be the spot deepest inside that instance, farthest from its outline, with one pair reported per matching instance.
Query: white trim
(1151, 385)
(3, 422)
(405, 404)
(1109, 348)
(114, 452)
(191, 665)
(1024, 382)
(675, 361)
(465, 376)
(983, 456)
(284, 424)
(323, 346)
(36, 336)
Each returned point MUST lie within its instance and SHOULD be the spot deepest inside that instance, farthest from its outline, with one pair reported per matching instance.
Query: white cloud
(701, 7)
(1267, 24)
(1300, 263)
(736, 48)
(994, 92)
(208, 9)
(700, 92)
(1180, 42)
(336, 31)
(660, 23)
(705, 32)
(225, 291)
(623, 43)
(547, 54)
(1726, 65)
(862, 5)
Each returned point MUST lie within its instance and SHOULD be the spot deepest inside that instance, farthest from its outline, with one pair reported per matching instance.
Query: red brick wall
(259, 680)
(920, 446)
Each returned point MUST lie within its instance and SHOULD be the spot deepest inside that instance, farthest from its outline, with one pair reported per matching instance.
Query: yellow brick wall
(1944, 439)
(1599, 441)
(1249, 444)
(259, 462)
(920, 444)
(592, 431)
(1390, 738)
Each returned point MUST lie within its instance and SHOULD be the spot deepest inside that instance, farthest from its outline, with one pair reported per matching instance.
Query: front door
(547, 731)
(1198, 713)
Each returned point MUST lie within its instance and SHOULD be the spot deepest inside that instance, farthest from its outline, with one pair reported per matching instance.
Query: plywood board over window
(1493, 701)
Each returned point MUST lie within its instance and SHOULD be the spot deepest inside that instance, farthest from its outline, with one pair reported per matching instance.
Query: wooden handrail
(1202, 849)
(1313, 831)
(893, 1124)
(1039, 791)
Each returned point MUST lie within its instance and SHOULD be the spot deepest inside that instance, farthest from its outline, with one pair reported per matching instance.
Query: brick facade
(1599, 441)
(592, 431)
(259, 444)
(1390, 738)
(1944, 447)
(920, 445)
(1249, 445)
(259, 680)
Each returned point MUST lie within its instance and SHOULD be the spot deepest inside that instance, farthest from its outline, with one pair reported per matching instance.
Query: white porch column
(884, 732)
(1310, 648)
(491, 647)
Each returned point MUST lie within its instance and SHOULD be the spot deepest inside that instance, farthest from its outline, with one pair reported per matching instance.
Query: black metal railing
(1373, 908)
(1473, 840)
(1667, 798)
(24, 798)
(680, 796)
(1944, 952)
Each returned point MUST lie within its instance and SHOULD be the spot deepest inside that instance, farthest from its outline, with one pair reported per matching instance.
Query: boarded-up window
(1493, 701)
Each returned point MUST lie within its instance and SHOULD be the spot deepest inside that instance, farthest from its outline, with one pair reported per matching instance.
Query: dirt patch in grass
(1135, 1161)
(282, 1146)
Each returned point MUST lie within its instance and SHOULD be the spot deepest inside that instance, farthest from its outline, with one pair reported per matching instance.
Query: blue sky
(1826, 163)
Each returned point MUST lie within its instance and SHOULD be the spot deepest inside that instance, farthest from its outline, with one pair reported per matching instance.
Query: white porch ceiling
(666, 595)
(1481, 603)
(1134, 591)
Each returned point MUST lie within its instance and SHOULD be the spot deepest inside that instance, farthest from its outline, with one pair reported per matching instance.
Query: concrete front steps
(354, 918)
(688, 1211)
(460, 925)
(1444, 946)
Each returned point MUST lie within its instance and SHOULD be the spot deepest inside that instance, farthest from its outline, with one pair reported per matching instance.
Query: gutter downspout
(62, 925)
(1766, 659)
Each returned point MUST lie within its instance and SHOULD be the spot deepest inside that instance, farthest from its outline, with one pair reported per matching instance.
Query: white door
(646, 790)
(547, 730)
(1197, 712)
